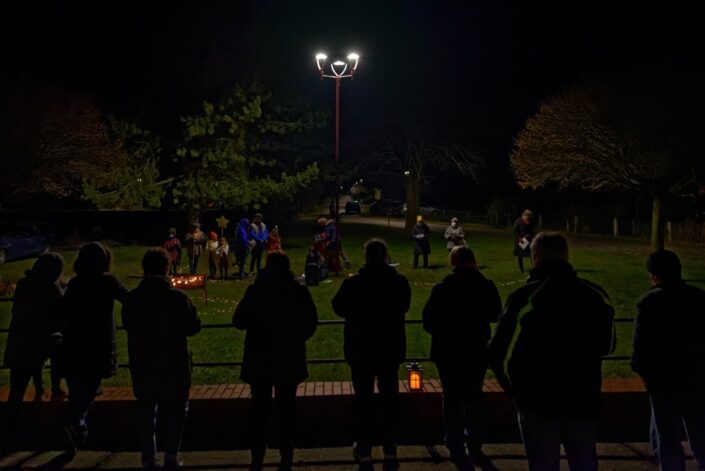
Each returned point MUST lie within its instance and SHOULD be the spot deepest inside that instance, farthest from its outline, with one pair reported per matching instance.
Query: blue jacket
(241, 236)
(258, 233)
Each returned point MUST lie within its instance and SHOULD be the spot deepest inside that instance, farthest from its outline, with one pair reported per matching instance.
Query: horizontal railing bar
(321, 322)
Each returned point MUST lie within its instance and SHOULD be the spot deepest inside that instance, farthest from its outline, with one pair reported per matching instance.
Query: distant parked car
(387, 207)
(352, 207)
(21, 241)
(425, 210)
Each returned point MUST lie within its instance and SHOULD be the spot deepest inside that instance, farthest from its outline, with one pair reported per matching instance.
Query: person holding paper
(523, 234)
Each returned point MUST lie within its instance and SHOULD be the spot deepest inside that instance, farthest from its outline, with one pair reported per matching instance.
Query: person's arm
(449, 233)
(342, 301)
(119, 290)
(405, 294)
(432, 310)
(243, 311)
(494, 302)
(645, 343)
(501, 344)
(309, 314)
(192, 323)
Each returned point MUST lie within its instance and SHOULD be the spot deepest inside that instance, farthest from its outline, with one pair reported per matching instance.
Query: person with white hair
(454, 235)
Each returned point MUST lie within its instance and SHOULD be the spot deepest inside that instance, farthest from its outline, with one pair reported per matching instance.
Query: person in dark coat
(279, 316)
(668, 355)
(523, 234)
(374, 304)
(422, 243)
(173, 246)
(88, 347)
(458, 316)
(195, 241)
(547, 354)
(242, 246)
(33, 333)
(158, 319)
(258, 235)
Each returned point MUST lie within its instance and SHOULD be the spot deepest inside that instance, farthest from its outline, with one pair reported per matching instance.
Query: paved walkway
(613, 457)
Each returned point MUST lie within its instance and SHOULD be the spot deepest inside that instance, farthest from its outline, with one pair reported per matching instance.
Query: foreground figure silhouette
(279, 316)
(547, 354)
(158, 319)
(668, 354)
(373, 304)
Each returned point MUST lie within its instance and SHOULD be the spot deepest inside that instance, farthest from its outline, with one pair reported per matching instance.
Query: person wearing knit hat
(668, 355)
(421, 235)
(454, 235)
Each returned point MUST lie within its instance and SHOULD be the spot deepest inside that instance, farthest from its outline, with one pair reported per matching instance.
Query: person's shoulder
(522, 294)
(594, 288)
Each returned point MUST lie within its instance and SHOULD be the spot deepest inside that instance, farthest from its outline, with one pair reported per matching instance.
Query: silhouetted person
(458, 316)
(669, 354)
(258, 236)
(523, 234)
(374, 303)
(547, 354)
(32, 337)
(158, 319)
(88, 347)
(421, 234)
(279, 316)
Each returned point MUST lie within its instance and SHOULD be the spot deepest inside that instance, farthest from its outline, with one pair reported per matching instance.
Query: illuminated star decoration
(222, 224)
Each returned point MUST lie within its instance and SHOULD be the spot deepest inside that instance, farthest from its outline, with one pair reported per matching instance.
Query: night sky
(469, 71)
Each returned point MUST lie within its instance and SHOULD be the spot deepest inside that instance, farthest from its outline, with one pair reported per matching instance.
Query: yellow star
(222, 222)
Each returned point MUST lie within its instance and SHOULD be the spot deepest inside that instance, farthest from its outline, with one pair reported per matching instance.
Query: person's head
(462, 257)
(48, 267)
(223, 241)
(278, 262)
(155, 262)
(172, 232)
(549, 247)
(322, 221)
(527, 215)
(213, 236)
(419, 219)
(275, 231)
(93, 259)
(375, 251)
(663, 266)
(454, 222)
(258, 218)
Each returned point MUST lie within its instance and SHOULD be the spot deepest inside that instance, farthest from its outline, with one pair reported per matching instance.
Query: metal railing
(325, 361)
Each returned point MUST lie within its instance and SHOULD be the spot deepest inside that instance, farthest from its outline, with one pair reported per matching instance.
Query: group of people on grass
(546, 352)
(251, 238)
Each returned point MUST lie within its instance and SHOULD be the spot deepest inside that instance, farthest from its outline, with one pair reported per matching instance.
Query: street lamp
(339, 69)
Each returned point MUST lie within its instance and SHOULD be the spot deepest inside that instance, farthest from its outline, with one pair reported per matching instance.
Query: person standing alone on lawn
(158, 319)
(458, 316)
(374, 304)
(547, 355)
(668, 355)
(422, 244)
(523, 234)
(454, 235)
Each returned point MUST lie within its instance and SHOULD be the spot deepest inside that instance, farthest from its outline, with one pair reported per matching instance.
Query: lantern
(415, 376)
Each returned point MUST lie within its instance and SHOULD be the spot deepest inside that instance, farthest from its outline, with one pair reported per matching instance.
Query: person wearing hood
(458, 315)
(421, 234)
(242, 246)
(33, 333)
(547, 355)
(454, 235)
(374, 304)
(158, 319)
(278, 315)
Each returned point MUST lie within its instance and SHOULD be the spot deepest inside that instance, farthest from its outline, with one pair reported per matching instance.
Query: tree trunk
(413, 201)
(657, 223)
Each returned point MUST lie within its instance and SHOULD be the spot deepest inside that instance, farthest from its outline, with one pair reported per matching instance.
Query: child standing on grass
(173, 246)
(274, 241)
(211, 247)
(222, 254)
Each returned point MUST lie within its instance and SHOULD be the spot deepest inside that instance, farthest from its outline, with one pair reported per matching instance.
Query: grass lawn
(616, 264)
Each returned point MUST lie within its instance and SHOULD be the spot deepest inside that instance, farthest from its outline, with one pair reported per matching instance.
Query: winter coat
(374, 304)
(211, 247)
(279, 316)
(458, 316)
(548, 347)
(669, 351)
(196, 242)
(258, 234)
(158, 319)
(274, 242)
(522, 230)
(88, 346)
(36, 316)
(173, 246)
(242, 245)
(421, 235)
(455, 237)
